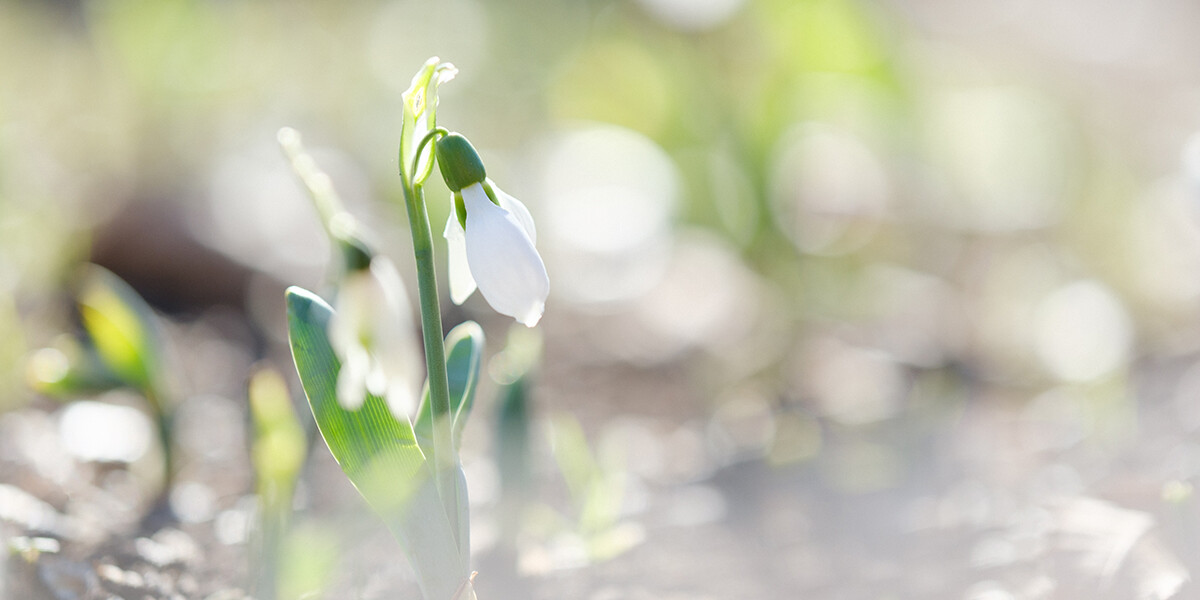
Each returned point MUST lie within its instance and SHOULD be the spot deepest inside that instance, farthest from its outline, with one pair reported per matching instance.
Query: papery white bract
(372, 334)
(500, 253)
(420, 108)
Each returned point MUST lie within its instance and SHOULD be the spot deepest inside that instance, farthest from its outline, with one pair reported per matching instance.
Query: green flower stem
(435, 351)
(433, 134)
(166, 423)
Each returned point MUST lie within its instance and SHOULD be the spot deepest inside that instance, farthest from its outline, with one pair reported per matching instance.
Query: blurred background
(850, 299)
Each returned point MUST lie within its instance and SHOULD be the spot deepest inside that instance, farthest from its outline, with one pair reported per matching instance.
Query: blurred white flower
(372, 334)
(497, 254)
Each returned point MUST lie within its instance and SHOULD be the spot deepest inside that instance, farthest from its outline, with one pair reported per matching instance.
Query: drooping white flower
(502, 257)
(462, 283)
(372, 334)
(496, 251)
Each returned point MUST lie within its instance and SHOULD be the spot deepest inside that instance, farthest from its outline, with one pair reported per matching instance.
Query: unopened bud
(459, 162)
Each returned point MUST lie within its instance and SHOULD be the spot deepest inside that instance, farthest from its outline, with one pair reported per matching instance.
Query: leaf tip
(300, 301)
(466, 330)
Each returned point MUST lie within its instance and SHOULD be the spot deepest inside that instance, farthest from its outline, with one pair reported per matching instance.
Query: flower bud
(356, 256)
(355, 253)
(459, 162)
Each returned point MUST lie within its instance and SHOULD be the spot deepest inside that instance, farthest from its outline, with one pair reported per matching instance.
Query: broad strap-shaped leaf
(464, 354)
(378, 452)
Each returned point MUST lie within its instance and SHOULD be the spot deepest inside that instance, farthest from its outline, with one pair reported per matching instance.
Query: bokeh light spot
(1083, 332)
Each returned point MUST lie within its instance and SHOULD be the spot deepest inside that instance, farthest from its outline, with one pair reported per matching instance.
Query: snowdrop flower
(490, 238)
(462, 284)
(372, 334)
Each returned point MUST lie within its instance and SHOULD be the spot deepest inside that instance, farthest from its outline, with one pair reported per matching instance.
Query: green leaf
(462, 372)
(574, 458)
(511, 368)
(464, 353)
(121, 326)
(308, 560)
(378, 452)
(278, 448)
(277, 453)
(595, 490)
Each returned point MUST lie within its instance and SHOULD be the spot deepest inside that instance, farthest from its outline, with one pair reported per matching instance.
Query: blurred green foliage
(278, 452)
(893, 243)
(120, 325)
(886, 199)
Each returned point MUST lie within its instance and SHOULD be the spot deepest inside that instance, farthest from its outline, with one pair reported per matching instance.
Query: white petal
(396, 352)
(401, 359)
(518, 210)
(351, 383)
(390, 288)
(462, 285)
(503, 260)
(349, 323)
(402, 400)
(377, 379)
